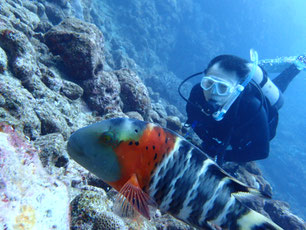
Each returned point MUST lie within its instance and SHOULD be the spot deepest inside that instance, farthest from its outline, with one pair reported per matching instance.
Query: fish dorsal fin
(131, 195)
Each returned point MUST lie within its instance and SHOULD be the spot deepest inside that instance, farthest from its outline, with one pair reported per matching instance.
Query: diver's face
(220, 75)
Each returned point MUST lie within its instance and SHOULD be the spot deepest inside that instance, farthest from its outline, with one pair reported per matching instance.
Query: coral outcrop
(134, 93)
(103, 93)
(80, 46)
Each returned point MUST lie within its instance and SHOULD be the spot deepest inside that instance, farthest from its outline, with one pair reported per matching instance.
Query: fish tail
(253, 220)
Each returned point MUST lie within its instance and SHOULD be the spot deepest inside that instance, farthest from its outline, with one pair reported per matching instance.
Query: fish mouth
(73, 149)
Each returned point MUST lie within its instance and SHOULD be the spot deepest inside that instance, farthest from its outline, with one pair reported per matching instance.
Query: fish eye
(107, 138)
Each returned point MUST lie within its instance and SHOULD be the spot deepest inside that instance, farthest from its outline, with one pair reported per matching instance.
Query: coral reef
(80, 46)
(30, 198)
(108, 221)
(93, 209)
(3, 61)
(174, 123)
(280, 212)
(134, 94)
(52, 152)
(103, 93)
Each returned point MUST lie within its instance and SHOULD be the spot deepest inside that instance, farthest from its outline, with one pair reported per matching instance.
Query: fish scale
(150, 165)
(183, 182)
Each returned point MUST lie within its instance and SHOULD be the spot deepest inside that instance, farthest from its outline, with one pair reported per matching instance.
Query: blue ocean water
(182, 36)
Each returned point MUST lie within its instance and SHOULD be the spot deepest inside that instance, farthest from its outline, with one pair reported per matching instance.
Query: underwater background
(47, 87)
(181, 37)
(196, 31)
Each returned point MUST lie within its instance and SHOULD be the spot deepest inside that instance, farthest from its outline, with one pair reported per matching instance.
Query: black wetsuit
(246, 129)
(244, 132)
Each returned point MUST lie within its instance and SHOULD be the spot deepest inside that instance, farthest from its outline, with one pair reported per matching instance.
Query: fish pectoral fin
(131, 195)
(245, 197)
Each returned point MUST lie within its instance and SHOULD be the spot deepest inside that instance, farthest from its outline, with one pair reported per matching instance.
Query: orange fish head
(94, 146)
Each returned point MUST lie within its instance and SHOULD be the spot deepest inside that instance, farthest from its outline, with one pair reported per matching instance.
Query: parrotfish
(151, 165)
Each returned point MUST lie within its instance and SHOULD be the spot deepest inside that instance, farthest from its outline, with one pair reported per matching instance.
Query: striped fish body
(182, 180)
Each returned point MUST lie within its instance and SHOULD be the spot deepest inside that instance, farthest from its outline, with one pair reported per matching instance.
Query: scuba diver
(234, 109)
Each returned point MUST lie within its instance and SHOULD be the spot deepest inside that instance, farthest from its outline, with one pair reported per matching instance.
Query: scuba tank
(268, 88)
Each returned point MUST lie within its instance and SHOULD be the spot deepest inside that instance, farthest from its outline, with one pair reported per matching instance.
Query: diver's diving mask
(221, 87)
(218, 116)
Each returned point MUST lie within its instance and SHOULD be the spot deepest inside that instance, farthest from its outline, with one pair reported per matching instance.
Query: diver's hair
(231, 63)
